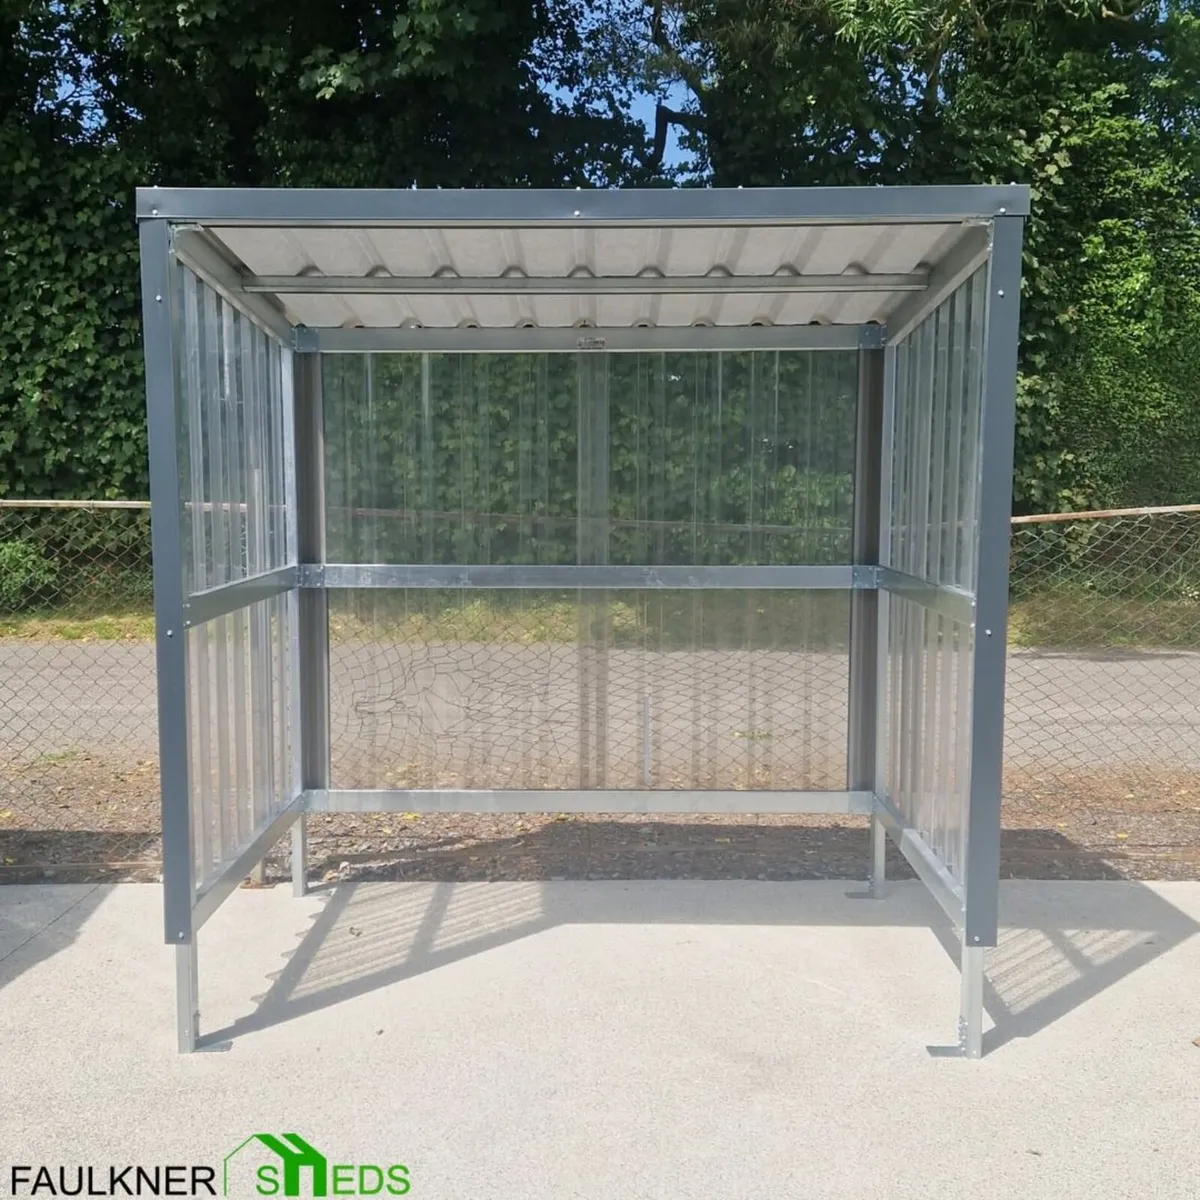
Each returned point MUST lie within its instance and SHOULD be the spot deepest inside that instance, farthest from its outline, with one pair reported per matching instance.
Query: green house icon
(294, 1153)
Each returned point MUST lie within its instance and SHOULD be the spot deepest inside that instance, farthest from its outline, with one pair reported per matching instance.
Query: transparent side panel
(240, 706)
(618, 689)
(710, 458)
(934, 525)
(932, 534)
(233, 480)
(927, 702)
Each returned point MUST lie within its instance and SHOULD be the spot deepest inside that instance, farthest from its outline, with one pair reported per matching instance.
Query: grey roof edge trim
(532, 206)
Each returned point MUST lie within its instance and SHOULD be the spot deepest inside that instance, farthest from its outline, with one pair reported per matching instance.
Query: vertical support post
(883, 748)
(187, 996)
(970, 1019)
(864, 603)
(313, 616)
(595, 617)
(299, 856)
(982, 875)
(168, 464)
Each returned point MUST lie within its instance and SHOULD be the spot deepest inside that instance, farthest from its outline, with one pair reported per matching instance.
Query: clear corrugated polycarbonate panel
(933, 534)
(231, 425)
(619, 459)
(934, 511)
(661, 459)
(928, 707)
(618, 689)
(241, 696)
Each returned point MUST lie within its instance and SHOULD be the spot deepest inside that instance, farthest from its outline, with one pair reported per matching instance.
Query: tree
(100, 95)
(1092, 103)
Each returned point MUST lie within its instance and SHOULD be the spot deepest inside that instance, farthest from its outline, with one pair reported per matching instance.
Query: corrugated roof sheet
(468, 259)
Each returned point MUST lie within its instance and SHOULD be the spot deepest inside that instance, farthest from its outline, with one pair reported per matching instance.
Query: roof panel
(501, 275)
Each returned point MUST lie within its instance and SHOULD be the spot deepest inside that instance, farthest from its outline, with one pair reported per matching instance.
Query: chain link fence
(1103, 692)
(78, 729)
(1103, 729)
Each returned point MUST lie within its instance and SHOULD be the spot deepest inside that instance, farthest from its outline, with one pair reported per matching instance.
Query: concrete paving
(657, 1040)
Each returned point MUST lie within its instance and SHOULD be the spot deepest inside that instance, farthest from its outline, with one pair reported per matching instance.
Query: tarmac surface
(469, 709)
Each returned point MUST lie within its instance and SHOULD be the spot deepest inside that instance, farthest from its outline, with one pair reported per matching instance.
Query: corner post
(982, 873)
(313, 616)
(883, 746)
(161, 285)
(864, 602)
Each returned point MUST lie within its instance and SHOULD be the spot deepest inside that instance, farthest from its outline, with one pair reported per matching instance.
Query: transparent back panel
(630, 459)
(662, 689)
(720, 458)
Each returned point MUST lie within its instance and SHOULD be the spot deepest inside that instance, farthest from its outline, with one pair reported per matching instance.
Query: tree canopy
(1091, 102)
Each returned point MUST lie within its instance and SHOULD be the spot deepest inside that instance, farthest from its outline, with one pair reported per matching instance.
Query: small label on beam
(592, 343)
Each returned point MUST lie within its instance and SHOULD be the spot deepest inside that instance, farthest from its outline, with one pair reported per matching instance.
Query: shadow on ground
(1063, 942)
(346, 848)
(36, 923)
(79, 856)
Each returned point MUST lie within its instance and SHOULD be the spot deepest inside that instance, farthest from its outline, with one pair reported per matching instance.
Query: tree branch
(664, 118)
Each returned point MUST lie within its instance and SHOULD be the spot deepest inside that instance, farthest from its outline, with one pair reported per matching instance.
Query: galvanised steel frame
(927, 649)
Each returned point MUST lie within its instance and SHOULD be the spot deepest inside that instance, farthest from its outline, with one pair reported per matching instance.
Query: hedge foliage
(1092, 104)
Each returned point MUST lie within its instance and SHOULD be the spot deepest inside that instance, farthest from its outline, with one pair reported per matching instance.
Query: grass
(1065, 616)
(663, 619)
(120, 623)
(1078, 620)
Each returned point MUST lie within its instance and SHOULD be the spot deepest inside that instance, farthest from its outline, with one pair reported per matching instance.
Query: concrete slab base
(600, 1039)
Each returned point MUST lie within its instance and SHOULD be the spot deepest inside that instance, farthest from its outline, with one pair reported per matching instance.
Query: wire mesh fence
(78, 730)
(1103, 726)
(1104, 664)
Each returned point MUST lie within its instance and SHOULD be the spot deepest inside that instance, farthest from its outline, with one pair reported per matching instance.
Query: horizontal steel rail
(548, 800)
(963, 260)
(197, 251)
(569, 339)
(399, 575)
(946, 890)
(230, 877)
(570, 285)
(950, 602)
(87, 505)
(229, 597)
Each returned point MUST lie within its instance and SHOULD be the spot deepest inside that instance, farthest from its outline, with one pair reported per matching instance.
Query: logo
(265, 1164)
(284, 1164)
